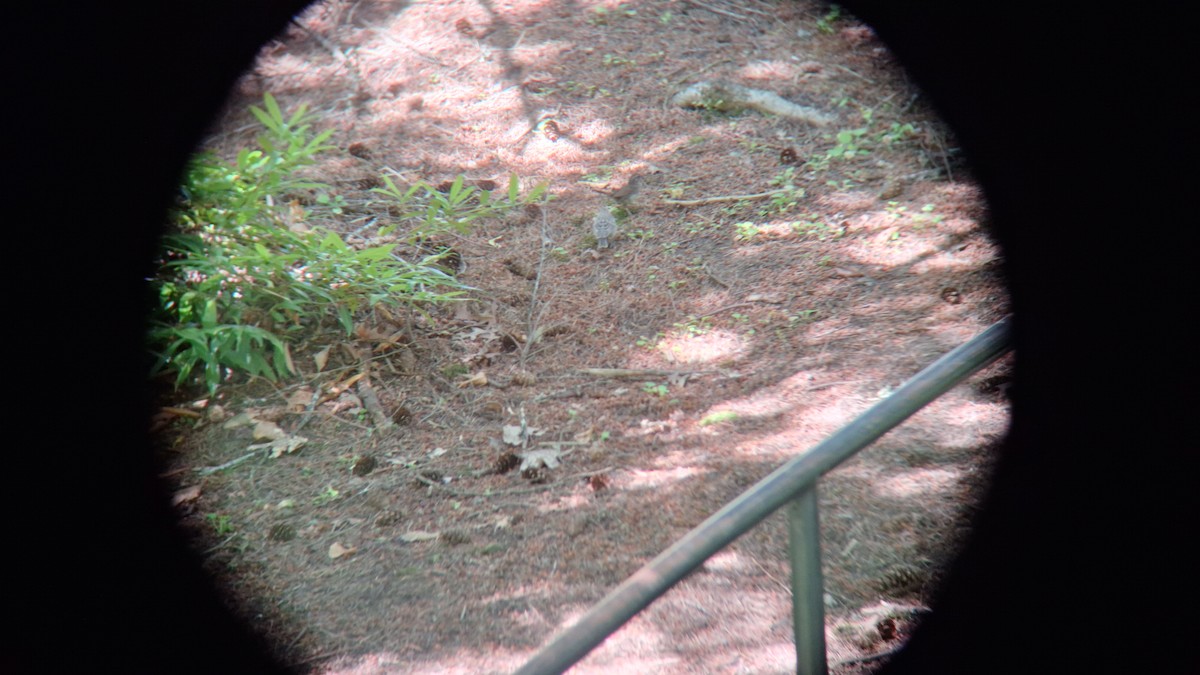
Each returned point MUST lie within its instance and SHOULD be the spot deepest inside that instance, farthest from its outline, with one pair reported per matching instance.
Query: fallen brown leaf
(336, 551)
(185, 495)
(477, 380)
(322, 357)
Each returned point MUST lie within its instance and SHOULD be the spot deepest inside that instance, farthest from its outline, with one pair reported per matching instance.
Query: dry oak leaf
(336, 551)
(268, 431)
(185, 495)
(518, 435)
(241, 419)
(477, 380)
(300, 398)
(322, 357)
(536, 459)
(281, 446)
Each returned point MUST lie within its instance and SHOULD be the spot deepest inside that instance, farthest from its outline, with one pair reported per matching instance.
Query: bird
(603, 226)
(628, 191)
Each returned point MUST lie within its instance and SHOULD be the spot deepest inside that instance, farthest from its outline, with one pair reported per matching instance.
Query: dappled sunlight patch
(713, 346)
(775, 229)
(765, 403)
(541, 149)
(918, 483)
(777, 657)
(944, 263)
(639, 479)
(574, 500)
(965, 423)
(774, 69)
(727, 561)
(632, 649)
(300, 73)
(594, 130)
(462, 662)
(834, 414)
(780, 446)
(719, 629)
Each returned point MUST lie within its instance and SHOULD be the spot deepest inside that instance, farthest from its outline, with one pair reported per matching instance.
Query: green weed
(718, 417)
(220, 523)
(240, 279)
(655, 389)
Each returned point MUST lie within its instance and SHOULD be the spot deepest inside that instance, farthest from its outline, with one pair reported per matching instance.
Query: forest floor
(757, 325)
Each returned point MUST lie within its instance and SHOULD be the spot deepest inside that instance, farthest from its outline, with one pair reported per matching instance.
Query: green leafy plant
(220, 523)
(718, 417)
(927, 215)
(655, 389)
(788, 195)
(803, 316)
(649, 342)
(335, 203)
(814, 227)
(825, 23)
(240, 279)
(850, 143)
(695, 326)
(745, 231)
(917, 220)
(433, 212)
(615, 60)
(328, 495)
(896, 133)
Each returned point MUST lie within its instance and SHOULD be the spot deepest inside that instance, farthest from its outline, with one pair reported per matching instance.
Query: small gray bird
(603, 226)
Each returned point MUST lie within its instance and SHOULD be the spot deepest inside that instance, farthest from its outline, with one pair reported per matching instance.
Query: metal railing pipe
(808, 588)
(763, 499)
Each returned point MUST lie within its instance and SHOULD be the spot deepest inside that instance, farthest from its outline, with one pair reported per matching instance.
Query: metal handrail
(795, 483)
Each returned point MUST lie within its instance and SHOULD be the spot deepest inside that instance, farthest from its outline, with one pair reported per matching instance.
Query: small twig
(386, 36)
(209, 470)
(334, 50)
(718, 10)
(827, 385)
(531, 323)
(725, 198)
(181, 412)
(292, 644)
(627, 373)
(318, 657)
(338, 54)
(864, 77)
(221, 545)
(759, 12)
(370, 401)
(308, 412)
(726, 308)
